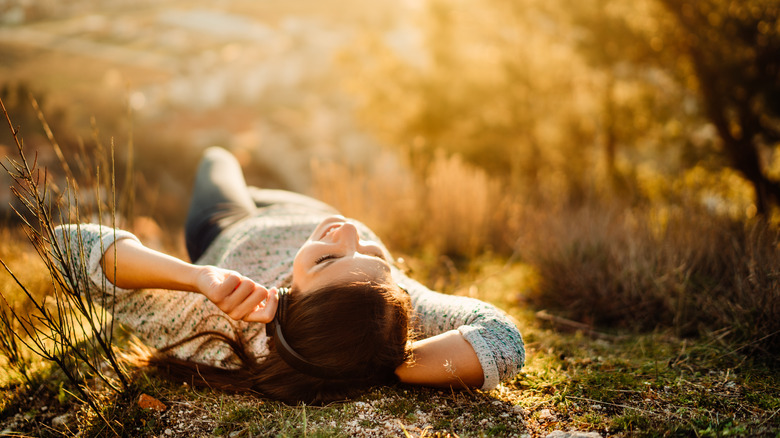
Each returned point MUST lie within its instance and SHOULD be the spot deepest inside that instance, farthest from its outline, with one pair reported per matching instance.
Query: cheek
(299, 261)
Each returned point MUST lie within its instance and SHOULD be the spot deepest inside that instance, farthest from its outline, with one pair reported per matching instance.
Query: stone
(61, 421)
(146, 401)
(546, 415)
(573, 434)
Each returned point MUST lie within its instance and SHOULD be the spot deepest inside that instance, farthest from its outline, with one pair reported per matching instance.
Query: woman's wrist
(190, 274)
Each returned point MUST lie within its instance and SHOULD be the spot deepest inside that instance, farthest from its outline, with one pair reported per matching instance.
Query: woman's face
(334, 254)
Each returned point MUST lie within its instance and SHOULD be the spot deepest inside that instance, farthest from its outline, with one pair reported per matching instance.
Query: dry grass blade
(573, 326)
(68, 328)
(10, 346)
(52, 140)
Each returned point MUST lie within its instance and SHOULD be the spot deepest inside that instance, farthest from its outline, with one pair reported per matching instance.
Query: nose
(347, 235)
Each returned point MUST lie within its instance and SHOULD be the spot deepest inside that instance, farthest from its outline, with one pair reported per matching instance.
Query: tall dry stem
(460, 203)
(454, 209)
(67, 328)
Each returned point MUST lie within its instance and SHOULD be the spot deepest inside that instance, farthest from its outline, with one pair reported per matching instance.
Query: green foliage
(644, 385)
(651, 385)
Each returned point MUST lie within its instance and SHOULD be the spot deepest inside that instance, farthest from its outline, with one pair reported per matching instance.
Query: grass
(610, 395)
(678, 307)
(614, 378)
(640, 384)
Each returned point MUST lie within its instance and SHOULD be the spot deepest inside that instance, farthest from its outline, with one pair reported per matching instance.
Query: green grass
(620, 383)
(652, 384)
(615, 379)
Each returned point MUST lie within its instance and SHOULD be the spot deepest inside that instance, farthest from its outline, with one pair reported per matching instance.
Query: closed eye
(324, 258)
(327, 257)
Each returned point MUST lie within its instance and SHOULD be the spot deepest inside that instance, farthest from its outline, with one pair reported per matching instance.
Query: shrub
(644, 267)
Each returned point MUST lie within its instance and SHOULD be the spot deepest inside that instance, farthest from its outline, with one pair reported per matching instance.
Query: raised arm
(128, 264)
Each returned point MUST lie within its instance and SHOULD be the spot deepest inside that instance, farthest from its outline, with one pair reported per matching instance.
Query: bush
(642, 268)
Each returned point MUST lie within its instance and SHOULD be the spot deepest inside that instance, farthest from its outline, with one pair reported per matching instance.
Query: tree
(734, 49)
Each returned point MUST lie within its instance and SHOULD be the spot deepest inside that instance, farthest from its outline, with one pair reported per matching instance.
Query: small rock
(546, 415)
(60, 421)
(573, 434)
(168, 432)
(148, 402)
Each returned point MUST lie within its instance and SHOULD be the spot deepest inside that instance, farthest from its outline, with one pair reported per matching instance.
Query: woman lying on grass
(321, 311)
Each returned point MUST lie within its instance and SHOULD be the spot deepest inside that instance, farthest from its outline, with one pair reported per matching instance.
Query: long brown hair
(361, 327)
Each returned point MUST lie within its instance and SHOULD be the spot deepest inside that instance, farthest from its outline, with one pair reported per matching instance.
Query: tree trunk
(727, 108)
(739, 144)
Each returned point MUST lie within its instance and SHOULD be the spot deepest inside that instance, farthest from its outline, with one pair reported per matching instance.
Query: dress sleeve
(491, 333)
(158, 317)
(83, 246)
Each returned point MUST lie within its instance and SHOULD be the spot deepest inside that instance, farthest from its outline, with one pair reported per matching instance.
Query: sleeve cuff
(486, 359)
(108, 236)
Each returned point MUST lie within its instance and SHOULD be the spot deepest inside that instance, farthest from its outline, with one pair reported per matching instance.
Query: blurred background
(614, 160)
(263, 79)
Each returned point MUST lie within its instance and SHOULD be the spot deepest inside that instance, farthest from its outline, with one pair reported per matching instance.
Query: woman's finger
(250, 303)
(222, 289)
(238, 295)
(265, 312)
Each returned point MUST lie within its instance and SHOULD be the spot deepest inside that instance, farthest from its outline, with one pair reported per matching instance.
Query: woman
(340, 327)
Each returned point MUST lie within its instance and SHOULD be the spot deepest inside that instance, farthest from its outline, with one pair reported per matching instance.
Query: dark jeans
(221, 198)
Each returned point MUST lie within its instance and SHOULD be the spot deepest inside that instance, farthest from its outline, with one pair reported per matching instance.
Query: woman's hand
(239, 297)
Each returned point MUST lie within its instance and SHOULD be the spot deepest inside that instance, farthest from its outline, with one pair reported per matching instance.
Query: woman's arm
(130, 265)
(443, 360)
(454, 330)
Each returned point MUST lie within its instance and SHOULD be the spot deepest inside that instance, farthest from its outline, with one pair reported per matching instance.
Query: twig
(770, 417)
(569, 325)
(617, 405)
(775, 333)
